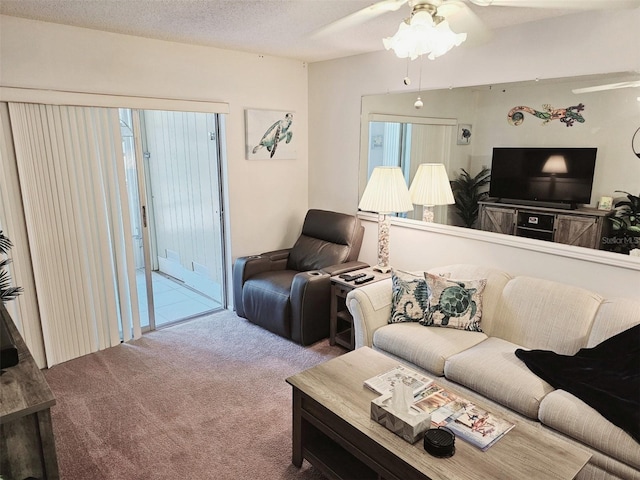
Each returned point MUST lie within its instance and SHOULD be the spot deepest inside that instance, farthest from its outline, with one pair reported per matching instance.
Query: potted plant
(7, 292)
(8, 350)
(625, 224)
(467, 192)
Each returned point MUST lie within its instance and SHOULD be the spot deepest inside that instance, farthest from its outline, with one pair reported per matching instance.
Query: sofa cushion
(569, 415)
(426, 347)
(409, 297)
(492, 369)
(454, 303)
(614, 316)
(545, 315)
(496, 281)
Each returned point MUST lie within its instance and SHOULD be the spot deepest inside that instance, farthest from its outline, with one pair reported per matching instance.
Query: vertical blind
(71, 174)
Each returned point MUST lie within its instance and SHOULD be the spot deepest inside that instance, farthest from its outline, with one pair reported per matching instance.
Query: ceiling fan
(460, 16)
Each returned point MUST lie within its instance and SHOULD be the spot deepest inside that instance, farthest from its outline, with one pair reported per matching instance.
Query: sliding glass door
(172, 163)
(102, 194)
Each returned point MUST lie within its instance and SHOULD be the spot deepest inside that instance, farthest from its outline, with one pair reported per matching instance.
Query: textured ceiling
(272, 27)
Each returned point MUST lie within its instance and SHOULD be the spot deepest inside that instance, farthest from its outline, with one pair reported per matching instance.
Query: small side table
(341, 322)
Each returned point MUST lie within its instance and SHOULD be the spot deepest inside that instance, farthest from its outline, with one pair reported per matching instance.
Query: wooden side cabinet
(583, 227)
(27, 446)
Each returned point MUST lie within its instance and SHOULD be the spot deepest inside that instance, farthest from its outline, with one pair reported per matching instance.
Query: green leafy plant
(626, 224)
(467, 192)
(7, 292)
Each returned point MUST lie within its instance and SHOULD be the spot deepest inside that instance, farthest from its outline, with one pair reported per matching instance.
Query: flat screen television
(561, 177)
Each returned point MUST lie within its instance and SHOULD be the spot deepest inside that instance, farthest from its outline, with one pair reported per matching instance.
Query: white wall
(580, 44)
(267, 199)
(437, 246)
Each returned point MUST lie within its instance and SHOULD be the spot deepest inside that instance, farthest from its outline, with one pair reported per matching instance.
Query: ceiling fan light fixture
(421, 35)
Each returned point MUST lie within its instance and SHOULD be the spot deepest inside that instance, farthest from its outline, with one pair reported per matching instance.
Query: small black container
(440, 442)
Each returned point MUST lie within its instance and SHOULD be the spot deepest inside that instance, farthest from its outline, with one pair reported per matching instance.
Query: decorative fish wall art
(568, 115)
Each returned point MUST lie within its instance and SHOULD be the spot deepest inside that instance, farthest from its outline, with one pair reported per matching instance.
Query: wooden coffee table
(332, 429)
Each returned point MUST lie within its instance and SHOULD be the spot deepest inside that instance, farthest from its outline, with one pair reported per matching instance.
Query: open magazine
(384, 383)
(462, 417)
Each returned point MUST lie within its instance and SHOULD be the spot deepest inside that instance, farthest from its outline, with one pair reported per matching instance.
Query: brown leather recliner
(288, 291)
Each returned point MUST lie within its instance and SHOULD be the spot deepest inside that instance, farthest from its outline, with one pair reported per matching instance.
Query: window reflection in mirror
(408, 144)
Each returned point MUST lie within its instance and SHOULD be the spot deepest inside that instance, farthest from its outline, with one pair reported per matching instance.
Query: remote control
(349, 277)
(360, 281)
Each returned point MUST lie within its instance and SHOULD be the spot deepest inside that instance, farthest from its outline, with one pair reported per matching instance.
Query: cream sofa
(518, 312)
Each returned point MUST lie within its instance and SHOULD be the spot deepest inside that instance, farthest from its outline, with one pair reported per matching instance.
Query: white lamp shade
(431, 185)
(555, 164)
(386, 192)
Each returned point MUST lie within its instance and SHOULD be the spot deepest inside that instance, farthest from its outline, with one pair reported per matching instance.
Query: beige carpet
(205, 399)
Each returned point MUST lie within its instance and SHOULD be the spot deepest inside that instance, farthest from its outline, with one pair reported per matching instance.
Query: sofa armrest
(341, 268)
(370, 307)
(246, 267)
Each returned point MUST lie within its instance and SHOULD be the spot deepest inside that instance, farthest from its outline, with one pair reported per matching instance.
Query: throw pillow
(410, 297)
(454, 303)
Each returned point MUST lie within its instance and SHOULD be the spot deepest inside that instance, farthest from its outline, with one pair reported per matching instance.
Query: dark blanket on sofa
(605, 377)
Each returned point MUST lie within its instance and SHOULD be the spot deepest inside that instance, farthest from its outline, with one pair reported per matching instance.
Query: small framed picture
(464, 134)
(605, 203)
(269, 134)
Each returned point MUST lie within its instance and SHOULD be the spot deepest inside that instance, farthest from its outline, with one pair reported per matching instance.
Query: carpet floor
(206, 399)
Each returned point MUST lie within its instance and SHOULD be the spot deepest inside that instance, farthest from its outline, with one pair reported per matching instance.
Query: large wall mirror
(459, 127)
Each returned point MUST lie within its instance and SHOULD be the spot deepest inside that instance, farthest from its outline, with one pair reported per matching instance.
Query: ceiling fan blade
(463, 20)
(564, 4)
(608, 86)
(359, 17)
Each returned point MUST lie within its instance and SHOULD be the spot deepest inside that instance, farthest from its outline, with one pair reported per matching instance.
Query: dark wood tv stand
(582, 227)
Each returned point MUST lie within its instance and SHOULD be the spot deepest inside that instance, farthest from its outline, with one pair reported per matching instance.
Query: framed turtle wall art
(270, 134)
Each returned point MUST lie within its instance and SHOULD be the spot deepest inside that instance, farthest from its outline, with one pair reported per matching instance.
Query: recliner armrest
(341, 268)
(276, 255)
(310, 295)
(246, 267)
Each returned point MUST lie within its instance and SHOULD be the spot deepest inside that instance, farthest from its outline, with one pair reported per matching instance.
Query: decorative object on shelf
(7, 292)
(423, 33)
(386, 192)
(568, 115)
(464, 134)
(268, 132)
(625, 225)
(605, 203)
(467, 192)
(431, 187)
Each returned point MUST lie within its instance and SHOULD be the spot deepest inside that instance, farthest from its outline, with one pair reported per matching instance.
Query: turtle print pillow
(409, 297)
(454, 303)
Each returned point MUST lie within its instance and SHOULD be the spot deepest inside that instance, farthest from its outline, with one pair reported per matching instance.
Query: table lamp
(386, 192)
(431, 187)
